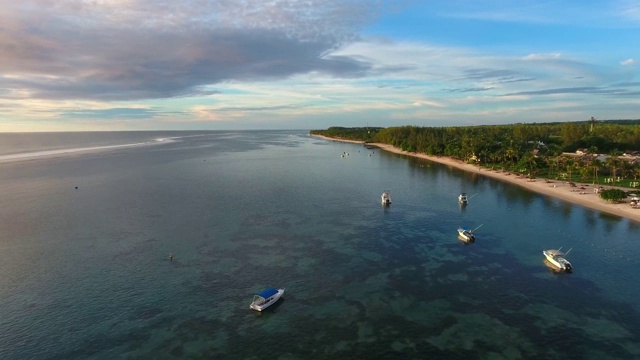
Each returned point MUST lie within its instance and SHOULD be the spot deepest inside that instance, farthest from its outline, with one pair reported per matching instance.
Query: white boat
(557, 259)
(466, 234)
(462, 199)
(266, 298)
(386, 198)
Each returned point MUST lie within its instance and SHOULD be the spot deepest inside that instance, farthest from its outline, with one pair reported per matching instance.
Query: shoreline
(557, 189)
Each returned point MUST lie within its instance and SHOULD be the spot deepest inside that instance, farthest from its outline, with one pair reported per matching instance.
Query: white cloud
(611, 13)
(627, 62)
(542, 56)
(630, 9)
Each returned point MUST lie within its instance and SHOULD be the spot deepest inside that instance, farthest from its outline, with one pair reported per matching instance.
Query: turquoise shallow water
(86, 274)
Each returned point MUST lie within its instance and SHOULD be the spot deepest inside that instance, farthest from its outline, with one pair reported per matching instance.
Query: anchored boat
(462, 199)
(266, 298)
(466, 234)
(386, 198)
(557, 259)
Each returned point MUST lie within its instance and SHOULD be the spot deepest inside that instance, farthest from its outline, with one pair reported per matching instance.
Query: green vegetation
(537, 150)
(613, 195)
(359, 134)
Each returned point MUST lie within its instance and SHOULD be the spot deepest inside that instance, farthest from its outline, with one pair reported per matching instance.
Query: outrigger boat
(266, 298)
(386, 198)
(557, 259)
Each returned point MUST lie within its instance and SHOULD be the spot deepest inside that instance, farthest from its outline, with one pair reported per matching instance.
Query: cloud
(495, 76)
(117, 113)
(141, 49)
(255, 108)
(578, 90)
(542, 56)
(630, 9)
(612, 13)
(629, 83)
(627, 62)
(463, 90)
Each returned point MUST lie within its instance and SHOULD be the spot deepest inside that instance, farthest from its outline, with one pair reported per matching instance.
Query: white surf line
(37, 154)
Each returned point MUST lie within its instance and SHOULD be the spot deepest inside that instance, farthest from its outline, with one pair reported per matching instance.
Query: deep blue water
(85, 272)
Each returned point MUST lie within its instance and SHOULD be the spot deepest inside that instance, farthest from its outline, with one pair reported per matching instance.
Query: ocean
(85, 239)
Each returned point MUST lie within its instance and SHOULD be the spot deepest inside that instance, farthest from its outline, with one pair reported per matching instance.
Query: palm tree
(511, 153)
(595, 164)
(584, 173)
(551, 164)
(636, 172)
(613, 163)
(577, 166)
(568, 165)
(627, 169)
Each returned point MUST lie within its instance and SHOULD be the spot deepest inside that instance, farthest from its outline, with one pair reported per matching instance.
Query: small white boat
(266, 298)
(386, 198)
(466, 234)
(557, 259)
(462, 199)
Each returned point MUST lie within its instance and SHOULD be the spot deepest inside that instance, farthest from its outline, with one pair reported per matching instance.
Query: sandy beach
(556, 188)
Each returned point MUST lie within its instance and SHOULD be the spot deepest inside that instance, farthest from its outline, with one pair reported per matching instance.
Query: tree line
(536, 148)
(600, 137)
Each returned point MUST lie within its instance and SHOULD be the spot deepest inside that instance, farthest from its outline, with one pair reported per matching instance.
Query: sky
(110, 65)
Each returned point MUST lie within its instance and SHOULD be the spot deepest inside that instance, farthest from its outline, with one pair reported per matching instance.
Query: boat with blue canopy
(266, 298)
